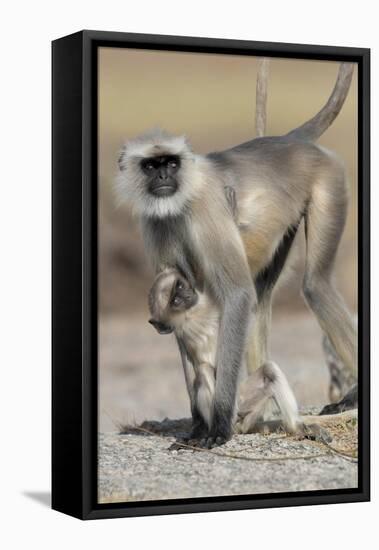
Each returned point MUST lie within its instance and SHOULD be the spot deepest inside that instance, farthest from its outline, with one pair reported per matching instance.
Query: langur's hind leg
(325, 220)
(341, 379)
(257, 348)
(254, 398)
(265, 281)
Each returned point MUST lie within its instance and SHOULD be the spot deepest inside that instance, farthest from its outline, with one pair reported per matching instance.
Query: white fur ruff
(131, 181)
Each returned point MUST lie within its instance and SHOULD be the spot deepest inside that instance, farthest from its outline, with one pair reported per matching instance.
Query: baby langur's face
(170, 296)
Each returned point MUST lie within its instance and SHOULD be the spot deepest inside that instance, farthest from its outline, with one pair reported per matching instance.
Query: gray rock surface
(139, 466)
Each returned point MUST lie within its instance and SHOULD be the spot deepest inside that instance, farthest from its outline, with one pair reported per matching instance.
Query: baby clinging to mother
(232, 250)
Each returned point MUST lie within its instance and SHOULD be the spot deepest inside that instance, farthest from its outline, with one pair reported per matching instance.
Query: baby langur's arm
(265, 386)
(232, 201)
(205, 382)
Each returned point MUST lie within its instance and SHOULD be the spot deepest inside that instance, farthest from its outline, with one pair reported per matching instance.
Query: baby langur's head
(169, 298)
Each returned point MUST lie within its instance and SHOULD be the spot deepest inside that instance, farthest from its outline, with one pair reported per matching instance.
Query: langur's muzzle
(163, 187)
(162, 328)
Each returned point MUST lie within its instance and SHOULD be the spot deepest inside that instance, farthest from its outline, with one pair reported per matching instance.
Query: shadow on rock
(179, 428)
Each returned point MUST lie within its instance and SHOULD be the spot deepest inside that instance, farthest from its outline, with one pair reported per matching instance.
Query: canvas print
(227, 275)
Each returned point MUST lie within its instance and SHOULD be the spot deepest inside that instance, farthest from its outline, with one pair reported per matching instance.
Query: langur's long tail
(282, 394)
(316, 126)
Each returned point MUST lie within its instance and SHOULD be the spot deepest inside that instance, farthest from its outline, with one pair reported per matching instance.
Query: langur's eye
(149, 166)
(173, 164)
(176, 301)
(180, 285)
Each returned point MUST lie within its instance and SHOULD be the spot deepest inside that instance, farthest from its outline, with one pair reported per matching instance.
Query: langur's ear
(161, 327)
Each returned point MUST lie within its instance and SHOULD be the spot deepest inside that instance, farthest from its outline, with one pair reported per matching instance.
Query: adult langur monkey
(186, 224)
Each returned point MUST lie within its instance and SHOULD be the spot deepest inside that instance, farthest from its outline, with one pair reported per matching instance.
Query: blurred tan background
(211, 99)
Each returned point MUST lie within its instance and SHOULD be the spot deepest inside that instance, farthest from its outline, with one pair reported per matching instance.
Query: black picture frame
(74, 272)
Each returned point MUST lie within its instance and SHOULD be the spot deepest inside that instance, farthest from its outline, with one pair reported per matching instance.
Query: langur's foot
(199, 428)
(198, 433)
(350, 401)
(220, 432)
(332, 408)
(216, 438)
(211, 442)
(336, 408)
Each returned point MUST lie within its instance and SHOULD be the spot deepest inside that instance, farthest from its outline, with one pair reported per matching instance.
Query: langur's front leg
(257, 347)
(231, 349)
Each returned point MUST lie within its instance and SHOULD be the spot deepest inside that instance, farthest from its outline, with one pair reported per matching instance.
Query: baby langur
(265, 389)
(177, 307)
(194, 318)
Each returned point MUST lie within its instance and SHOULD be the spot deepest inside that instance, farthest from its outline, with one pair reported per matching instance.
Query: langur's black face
(162, 174)
(180, 297)
(159, 175)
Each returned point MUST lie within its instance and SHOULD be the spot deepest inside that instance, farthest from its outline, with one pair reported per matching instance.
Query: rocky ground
(141, 378)
(139, 465)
